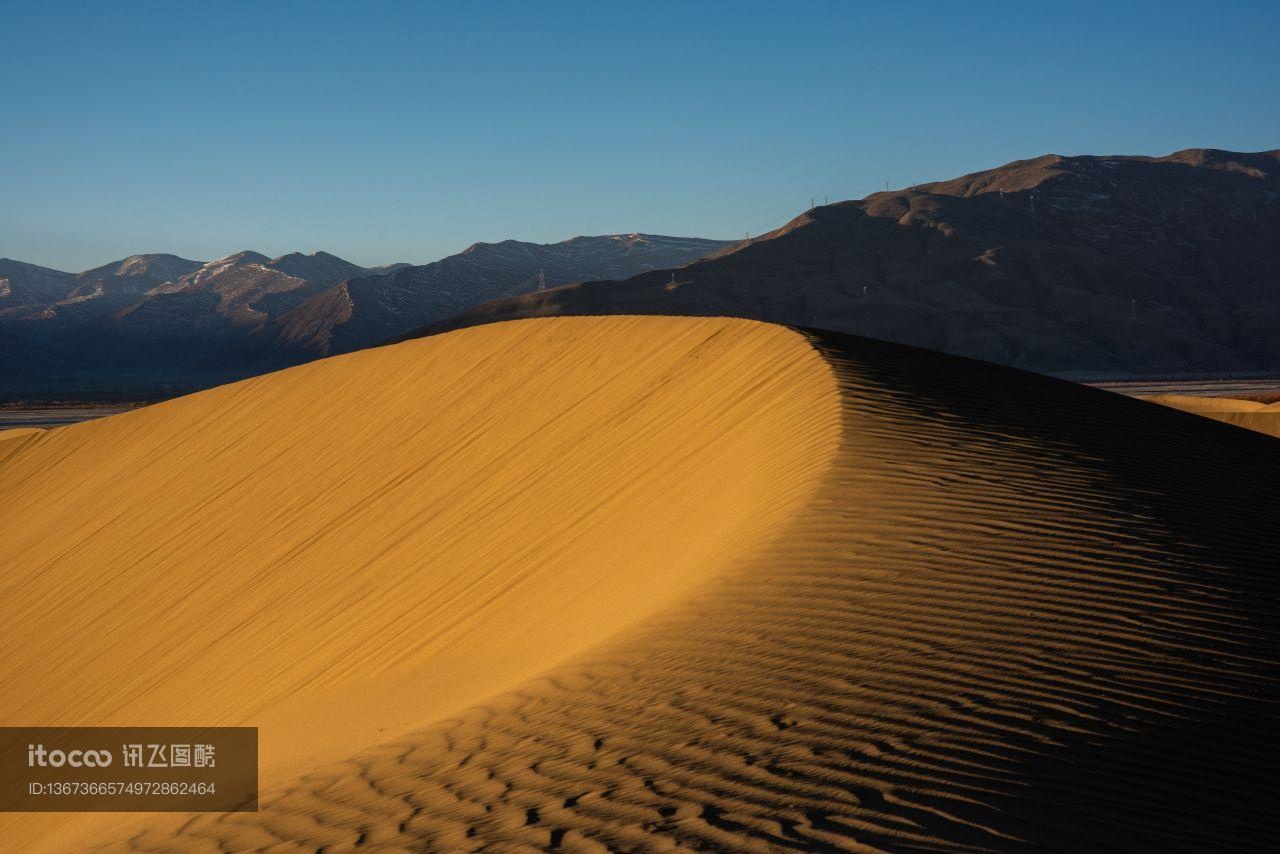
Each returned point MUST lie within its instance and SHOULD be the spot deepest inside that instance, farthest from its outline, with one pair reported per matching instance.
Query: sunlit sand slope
(1011, 614)
(1250, 414)
(18, 433)
(346, 550)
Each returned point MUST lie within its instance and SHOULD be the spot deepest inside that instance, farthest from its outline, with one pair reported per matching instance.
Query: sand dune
(17, 433)
(1250, 414)
(344, 551)
(646, 583)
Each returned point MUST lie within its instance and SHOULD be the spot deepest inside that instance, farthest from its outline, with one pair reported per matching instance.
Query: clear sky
(386, 131)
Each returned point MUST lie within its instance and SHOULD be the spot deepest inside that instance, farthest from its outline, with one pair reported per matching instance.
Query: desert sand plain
(624, 583)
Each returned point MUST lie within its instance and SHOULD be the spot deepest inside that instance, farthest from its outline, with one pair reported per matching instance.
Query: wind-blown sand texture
(18, 432)
(647, 583)
(1250, 414)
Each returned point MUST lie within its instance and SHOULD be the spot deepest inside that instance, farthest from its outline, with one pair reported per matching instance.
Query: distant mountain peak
(1025, 175)
(142, 264)
(318, 254)
(1066, 264)
(11, 262)
(244, 256)
(365, 311)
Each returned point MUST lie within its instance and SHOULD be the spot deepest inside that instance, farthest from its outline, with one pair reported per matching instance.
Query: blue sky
(386, 131)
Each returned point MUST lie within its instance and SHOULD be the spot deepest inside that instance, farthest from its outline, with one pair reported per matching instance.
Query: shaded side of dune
(1017, 615)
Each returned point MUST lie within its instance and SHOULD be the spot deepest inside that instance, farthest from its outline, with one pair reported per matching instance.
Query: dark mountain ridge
(24, 286)
(154, 325)
(363, 312)
(1076, 266)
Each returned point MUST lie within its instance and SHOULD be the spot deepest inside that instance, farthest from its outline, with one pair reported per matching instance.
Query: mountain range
(1076, 266)
(1085, 266)
(364, 311)
(153, 325)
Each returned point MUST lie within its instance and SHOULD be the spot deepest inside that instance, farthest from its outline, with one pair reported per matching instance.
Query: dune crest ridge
(19, 433)
(1010, 614)
(347, 550)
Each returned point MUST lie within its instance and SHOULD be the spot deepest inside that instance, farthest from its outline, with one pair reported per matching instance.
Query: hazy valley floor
(15, 418)
(945, 606)
(1222, 387)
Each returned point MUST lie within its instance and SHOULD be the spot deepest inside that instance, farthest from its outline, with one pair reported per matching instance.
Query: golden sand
(18, 433)
(645, 583)
(345, 551)
(1249, 414)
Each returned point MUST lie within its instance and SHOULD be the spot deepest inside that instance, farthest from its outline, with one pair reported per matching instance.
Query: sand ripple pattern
(1018, 615)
